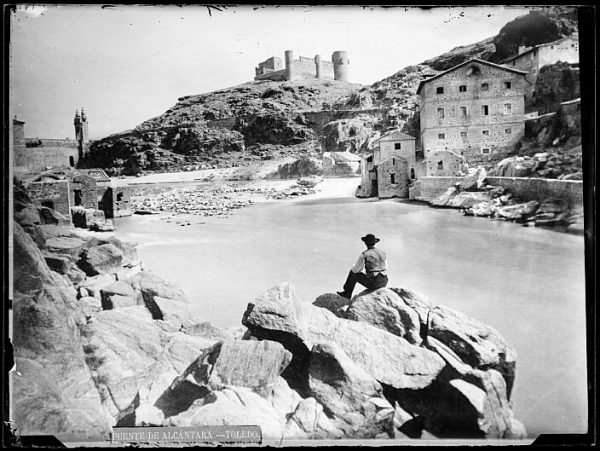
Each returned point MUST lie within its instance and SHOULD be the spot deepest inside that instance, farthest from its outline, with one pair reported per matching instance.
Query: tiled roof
(474, 60)
(396, 136)
(98, 174)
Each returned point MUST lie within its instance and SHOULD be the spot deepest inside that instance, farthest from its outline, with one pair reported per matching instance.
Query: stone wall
(524, 189)
(454, 119)
(393, 177)
(53, 195)
(39, 158)
(83, 192)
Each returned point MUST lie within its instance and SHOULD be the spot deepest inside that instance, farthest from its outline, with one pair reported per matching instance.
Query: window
(474, 70)
(78, 197)
(397, 146)
(71, 162)
(485, 86)
(119, 197)
(462, 88)
(507, 85)
(393, 162)
(441, 136)
(463, 111)
(440, 165)
(485, 110)
(485, 132)
(463, 134)
(392, 178)
(508, 131)
(485, 150)
(412, 173)
(513, 63)
(439, 90)
(440, 113)
(534, 71)
(507, 108)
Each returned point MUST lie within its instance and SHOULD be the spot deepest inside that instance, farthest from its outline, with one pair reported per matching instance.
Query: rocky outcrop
(347, 135)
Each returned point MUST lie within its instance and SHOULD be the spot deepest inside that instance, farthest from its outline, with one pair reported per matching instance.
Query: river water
(528, 283)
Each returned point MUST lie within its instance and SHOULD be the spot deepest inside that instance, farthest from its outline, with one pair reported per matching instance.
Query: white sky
(127, 64)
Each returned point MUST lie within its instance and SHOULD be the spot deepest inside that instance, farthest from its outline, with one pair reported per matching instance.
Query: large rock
(477, 344)
(61, 264)
(118, 294)
(28, 217)
(153, 285)
(310, 422)
(104, 259)
(279, 315)
(335, 303)
(126, 351)
(50, 216)
(52, 391)
(350, 394)
(464, 199)
(415, 302)
(251, 364)
(383, 308)
(44, 232)
(232, 406)
(65, 245)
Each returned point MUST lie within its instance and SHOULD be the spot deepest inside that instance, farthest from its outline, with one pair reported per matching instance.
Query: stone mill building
(470, 114)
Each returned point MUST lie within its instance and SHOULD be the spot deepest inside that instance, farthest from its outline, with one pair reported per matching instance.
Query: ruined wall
(456, 118)
(53, 195)
(39, 158)
(278, 75)
(524, 189)
(393, 178)
(83, 192)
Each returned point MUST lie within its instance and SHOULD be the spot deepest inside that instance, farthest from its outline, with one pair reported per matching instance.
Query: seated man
(375, 265)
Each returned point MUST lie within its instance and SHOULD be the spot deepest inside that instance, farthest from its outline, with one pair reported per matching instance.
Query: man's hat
(370, 239)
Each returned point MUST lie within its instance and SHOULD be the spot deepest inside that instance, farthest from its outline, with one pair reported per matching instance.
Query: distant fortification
(304, 67)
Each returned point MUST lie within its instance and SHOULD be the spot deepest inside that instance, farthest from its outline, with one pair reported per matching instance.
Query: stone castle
(35, 154)
(304, 67)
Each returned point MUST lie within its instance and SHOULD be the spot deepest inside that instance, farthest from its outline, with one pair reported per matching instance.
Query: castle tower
(289, 65)
(318, 66)
(340, 65)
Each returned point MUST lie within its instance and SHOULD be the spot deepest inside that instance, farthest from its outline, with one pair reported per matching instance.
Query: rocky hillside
(247, 123)
(99, 343)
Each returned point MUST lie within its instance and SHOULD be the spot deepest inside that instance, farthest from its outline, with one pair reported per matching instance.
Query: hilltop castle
(304, 67)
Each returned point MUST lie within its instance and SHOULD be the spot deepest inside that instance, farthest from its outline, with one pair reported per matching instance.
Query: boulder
(279, 315)
(334, 303)
(153, 285)
(59, 263)
(43, 232)
(476, 344)
(473, 181)
(310, 422)
(464, 199)
(383, 308)
(90, 305)
(28, 217)
(252, 364)
(118, 294)
(231, 406)
(352, 397)
(104, 259)
(76, 275)
(415, 302)
(128, 354)
(65, 245)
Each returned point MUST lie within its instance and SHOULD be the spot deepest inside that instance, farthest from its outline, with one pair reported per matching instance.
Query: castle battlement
(304, 67)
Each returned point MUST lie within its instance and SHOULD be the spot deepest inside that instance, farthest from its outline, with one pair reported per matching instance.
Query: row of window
(463, 111)
(464, 135)
(483, 87)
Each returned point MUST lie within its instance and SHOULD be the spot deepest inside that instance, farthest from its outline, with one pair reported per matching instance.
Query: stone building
(471, 113)
(304, 67)
(532, 59)
(35, 154)
(390, 168)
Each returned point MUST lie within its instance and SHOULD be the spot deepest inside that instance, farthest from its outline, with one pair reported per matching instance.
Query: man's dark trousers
(370, 282)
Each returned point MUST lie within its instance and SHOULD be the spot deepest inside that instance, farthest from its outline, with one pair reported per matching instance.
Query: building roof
(97, 174)
(474, 60)
(396, 136)
(574, 36)
(17, 121)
